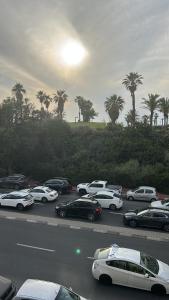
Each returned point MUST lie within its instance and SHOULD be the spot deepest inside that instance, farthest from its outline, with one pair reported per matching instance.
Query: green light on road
(77, 251)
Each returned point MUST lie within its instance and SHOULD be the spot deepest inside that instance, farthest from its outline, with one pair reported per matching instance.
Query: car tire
(91, 217)
(20, 207)
(132, 223)
(130, 198)
(44, 199)
(112, 207)
(105, 279)
(82, 192)
(158, 289)
(62, 214)
(166, 227)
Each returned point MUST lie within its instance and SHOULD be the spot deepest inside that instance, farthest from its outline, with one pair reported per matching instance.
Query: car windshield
(48, 190)
(65, 294)
(104, 253)
(149, 262)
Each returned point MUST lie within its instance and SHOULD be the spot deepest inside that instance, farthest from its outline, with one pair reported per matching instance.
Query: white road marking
(90, 257)
(100, 230)
(52, 224)
(31, 221)
(33, 247)
(115, 213)
(38, 203)
(11, 218)
(75, 227)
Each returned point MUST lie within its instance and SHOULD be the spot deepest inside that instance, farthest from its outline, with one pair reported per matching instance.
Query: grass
(96, 125)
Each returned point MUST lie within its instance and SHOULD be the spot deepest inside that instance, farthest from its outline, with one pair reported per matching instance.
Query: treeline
(129, 156)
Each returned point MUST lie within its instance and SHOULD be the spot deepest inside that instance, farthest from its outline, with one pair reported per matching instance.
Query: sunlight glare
(73, 53)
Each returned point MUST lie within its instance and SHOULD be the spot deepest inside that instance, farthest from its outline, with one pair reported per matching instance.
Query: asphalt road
(55, 258)
(108, 217)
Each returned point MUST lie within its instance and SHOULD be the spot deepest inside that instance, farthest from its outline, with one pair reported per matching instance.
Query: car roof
(109, 193)
(38, 289)
(42, 187)
(99, 181)
(124, 254)
(19, 193)
(146, 187)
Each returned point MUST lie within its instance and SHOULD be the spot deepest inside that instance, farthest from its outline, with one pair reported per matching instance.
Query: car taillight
(98, 209)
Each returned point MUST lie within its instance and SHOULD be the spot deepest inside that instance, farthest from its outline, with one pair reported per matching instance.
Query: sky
(118, 36)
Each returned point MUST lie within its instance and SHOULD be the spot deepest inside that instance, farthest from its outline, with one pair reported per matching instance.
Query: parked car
(60, 185)
(151, 217)
(97, 185)
(7, 289)
(81, 208)
(42, 193)
(16, 181)
(143, 193)
(131, 268)
(160, 204)
(18, 199)
(45, 290)
(106, 199)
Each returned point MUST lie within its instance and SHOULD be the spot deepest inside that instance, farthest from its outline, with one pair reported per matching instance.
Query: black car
(157, 218)
(82, 208)
(62, 186)
(16, 181)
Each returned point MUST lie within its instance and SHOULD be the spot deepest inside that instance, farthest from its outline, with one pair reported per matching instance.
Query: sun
(73, 53)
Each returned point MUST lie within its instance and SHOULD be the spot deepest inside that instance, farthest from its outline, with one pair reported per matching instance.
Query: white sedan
(132, 268)
(160, 204)
(107, 199)
(45, 290)
(19, 199)
(43, 193)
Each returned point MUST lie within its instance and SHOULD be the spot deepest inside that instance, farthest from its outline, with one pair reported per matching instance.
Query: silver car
(143, 193)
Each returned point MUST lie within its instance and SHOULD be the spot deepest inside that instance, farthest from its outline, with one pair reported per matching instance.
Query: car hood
(156, 204)
(130, 213)
(163, 271)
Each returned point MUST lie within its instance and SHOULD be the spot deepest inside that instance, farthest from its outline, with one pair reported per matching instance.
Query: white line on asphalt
(31, 221)
(100, 230)
(90, 257)
(75, 227)
(52, 224)
(33, 247)
(11, 218)
(115, 213)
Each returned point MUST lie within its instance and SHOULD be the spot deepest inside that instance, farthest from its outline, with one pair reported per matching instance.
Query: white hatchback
(19, 199)
(107, 199)
(44, 290)
(43, 193)
(131, 268)
(160, 204)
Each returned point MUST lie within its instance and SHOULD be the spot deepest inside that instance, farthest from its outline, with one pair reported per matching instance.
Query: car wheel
(82, 192)
(62, 214)
(158, 289)
(113, 207)
(132, 223)
(91, 217)
(105, 279)
(166, 227)
(130, 198)
(44, 199)
(20, 207)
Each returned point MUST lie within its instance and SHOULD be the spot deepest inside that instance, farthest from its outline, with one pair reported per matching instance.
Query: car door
(149, 195)
(101, 198)
(145, 219)
(73, 209)
(8, 200)
(158, 219)
(139, 277)
(94, 187)
(116, 269)
(37, 194)
(139, 194)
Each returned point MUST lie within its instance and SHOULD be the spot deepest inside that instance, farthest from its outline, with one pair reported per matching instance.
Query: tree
(113, 106)
(86, 109)
(47, 101)
(151, 104)
(60, 98)
(130, 118)
(164, 108)
(18, 91)
(131, 82)
(41, 97)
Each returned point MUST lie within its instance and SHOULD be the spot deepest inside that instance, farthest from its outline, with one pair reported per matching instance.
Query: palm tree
(130, 118)
(60, 98)
(164, 108)
(18, 91)
(131, 82)
(114, 105)
(79, 100)
(41, 97)
(151, 104)
(47, 101)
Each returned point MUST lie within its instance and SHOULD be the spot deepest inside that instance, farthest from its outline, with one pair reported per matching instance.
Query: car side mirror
(146, 275)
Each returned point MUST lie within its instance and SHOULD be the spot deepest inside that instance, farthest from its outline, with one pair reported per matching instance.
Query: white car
(96, 186)
(160, 204)
(19, 199)
(107, 199)
(132, 268)
(45, 290)
(143, 193)
(43, 193)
